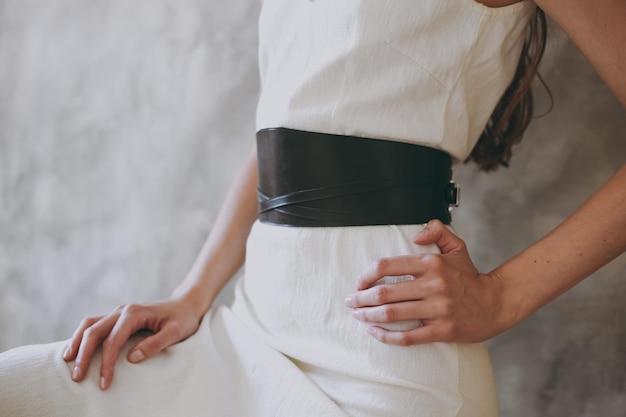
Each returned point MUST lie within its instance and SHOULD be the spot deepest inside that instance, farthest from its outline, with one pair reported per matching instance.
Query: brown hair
(514, 111)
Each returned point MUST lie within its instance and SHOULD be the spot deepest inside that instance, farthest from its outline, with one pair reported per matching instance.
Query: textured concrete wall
(122, 123)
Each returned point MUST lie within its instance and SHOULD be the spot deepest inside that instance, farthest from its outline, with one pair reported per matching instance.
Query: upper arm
(598, 28)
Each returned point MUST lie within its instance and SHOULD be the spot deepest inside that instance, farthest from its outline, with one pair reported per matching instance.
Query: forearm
(223, 253)
(591, 237)
(595, 233)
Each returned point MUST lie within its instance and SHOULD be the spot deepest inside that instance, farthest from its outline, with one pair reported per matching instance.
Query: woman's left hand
(454, 301)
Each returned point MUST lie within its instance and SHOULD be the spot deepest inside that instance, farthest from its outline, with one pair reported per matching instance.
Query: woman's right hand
(171, 321)
(175, 319)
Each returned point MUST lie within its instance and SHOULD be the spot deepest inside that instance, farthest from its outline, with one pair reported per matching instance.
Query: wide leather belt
(311, 179)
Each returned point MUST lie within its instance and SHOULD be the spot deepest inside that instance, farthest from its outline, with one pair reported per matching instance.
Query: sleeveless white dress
(418, 71)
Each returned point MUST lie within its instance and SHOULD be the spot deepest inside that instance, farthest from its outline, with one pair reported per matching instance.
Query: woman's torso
(419, 71)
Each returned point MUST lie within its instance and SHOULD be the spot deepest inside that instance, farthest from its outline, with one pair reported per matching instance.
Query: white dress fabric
(420, 71)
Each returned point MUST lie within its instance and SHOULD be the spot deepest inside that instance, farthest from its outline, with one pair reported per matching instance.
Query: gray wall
(122, 123)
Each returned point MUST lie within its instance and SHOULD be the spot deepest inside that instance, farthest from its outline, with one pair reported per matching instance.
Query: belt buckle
(453, 194)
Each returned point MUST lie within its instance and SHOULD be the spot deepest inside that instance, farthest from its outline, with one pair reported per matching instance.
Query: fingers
(167, 331)
(168, 336)
(91, 338)
(437, 232)
(418, 336)
(170, 321)
(444, 293)
(111, 332)
(72, 348)
(389, 313)
(391, 293)
(394, 266)
(132, 318)
(416, 265)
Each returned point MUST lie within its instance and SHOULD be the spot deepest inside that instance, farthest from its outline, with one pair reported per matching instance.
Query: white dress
(420, 71)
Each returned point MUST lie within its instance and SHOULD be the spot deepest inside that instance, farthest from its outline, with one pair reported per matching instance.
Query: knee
(30, 379)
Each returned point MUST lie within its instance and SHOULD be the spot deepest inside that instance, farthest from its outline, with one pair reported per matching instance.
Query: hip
(292, 295)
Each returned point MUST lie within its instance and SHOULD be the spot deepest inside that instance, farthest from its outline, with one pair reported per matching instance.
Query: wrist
(511, 301)
(194, 298)
(496, 300)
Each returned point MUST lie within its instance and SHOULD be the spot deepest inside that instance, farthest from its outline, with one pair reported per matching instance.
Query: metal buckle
(453, 194)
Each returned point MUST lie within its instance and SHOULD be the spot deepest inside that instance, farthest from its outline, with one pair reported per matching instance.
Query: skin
(178, 317)
(455, 301)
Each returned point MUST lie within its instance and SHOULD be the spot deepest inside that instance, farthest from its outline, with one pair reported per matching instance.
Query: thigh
(222, 370)
(36, 381)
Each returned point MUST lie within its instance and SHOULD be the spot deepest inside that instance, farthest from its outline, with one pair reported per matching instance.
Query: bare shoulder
(598, 29)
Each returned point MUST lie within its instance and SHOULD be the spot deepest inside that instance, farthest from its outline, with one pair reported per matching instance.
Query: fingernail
(348, 301)
(356, 313)
(102, 383)
(136, 356)
(68, 352)
(76, 373)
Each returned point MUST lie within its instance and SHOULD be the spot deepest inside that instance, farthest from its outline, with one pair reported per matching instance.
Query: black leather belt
(317, 179)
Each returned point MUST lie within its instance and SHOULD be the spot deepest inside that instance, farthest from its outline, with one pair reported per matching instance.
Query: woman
(296, 341)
